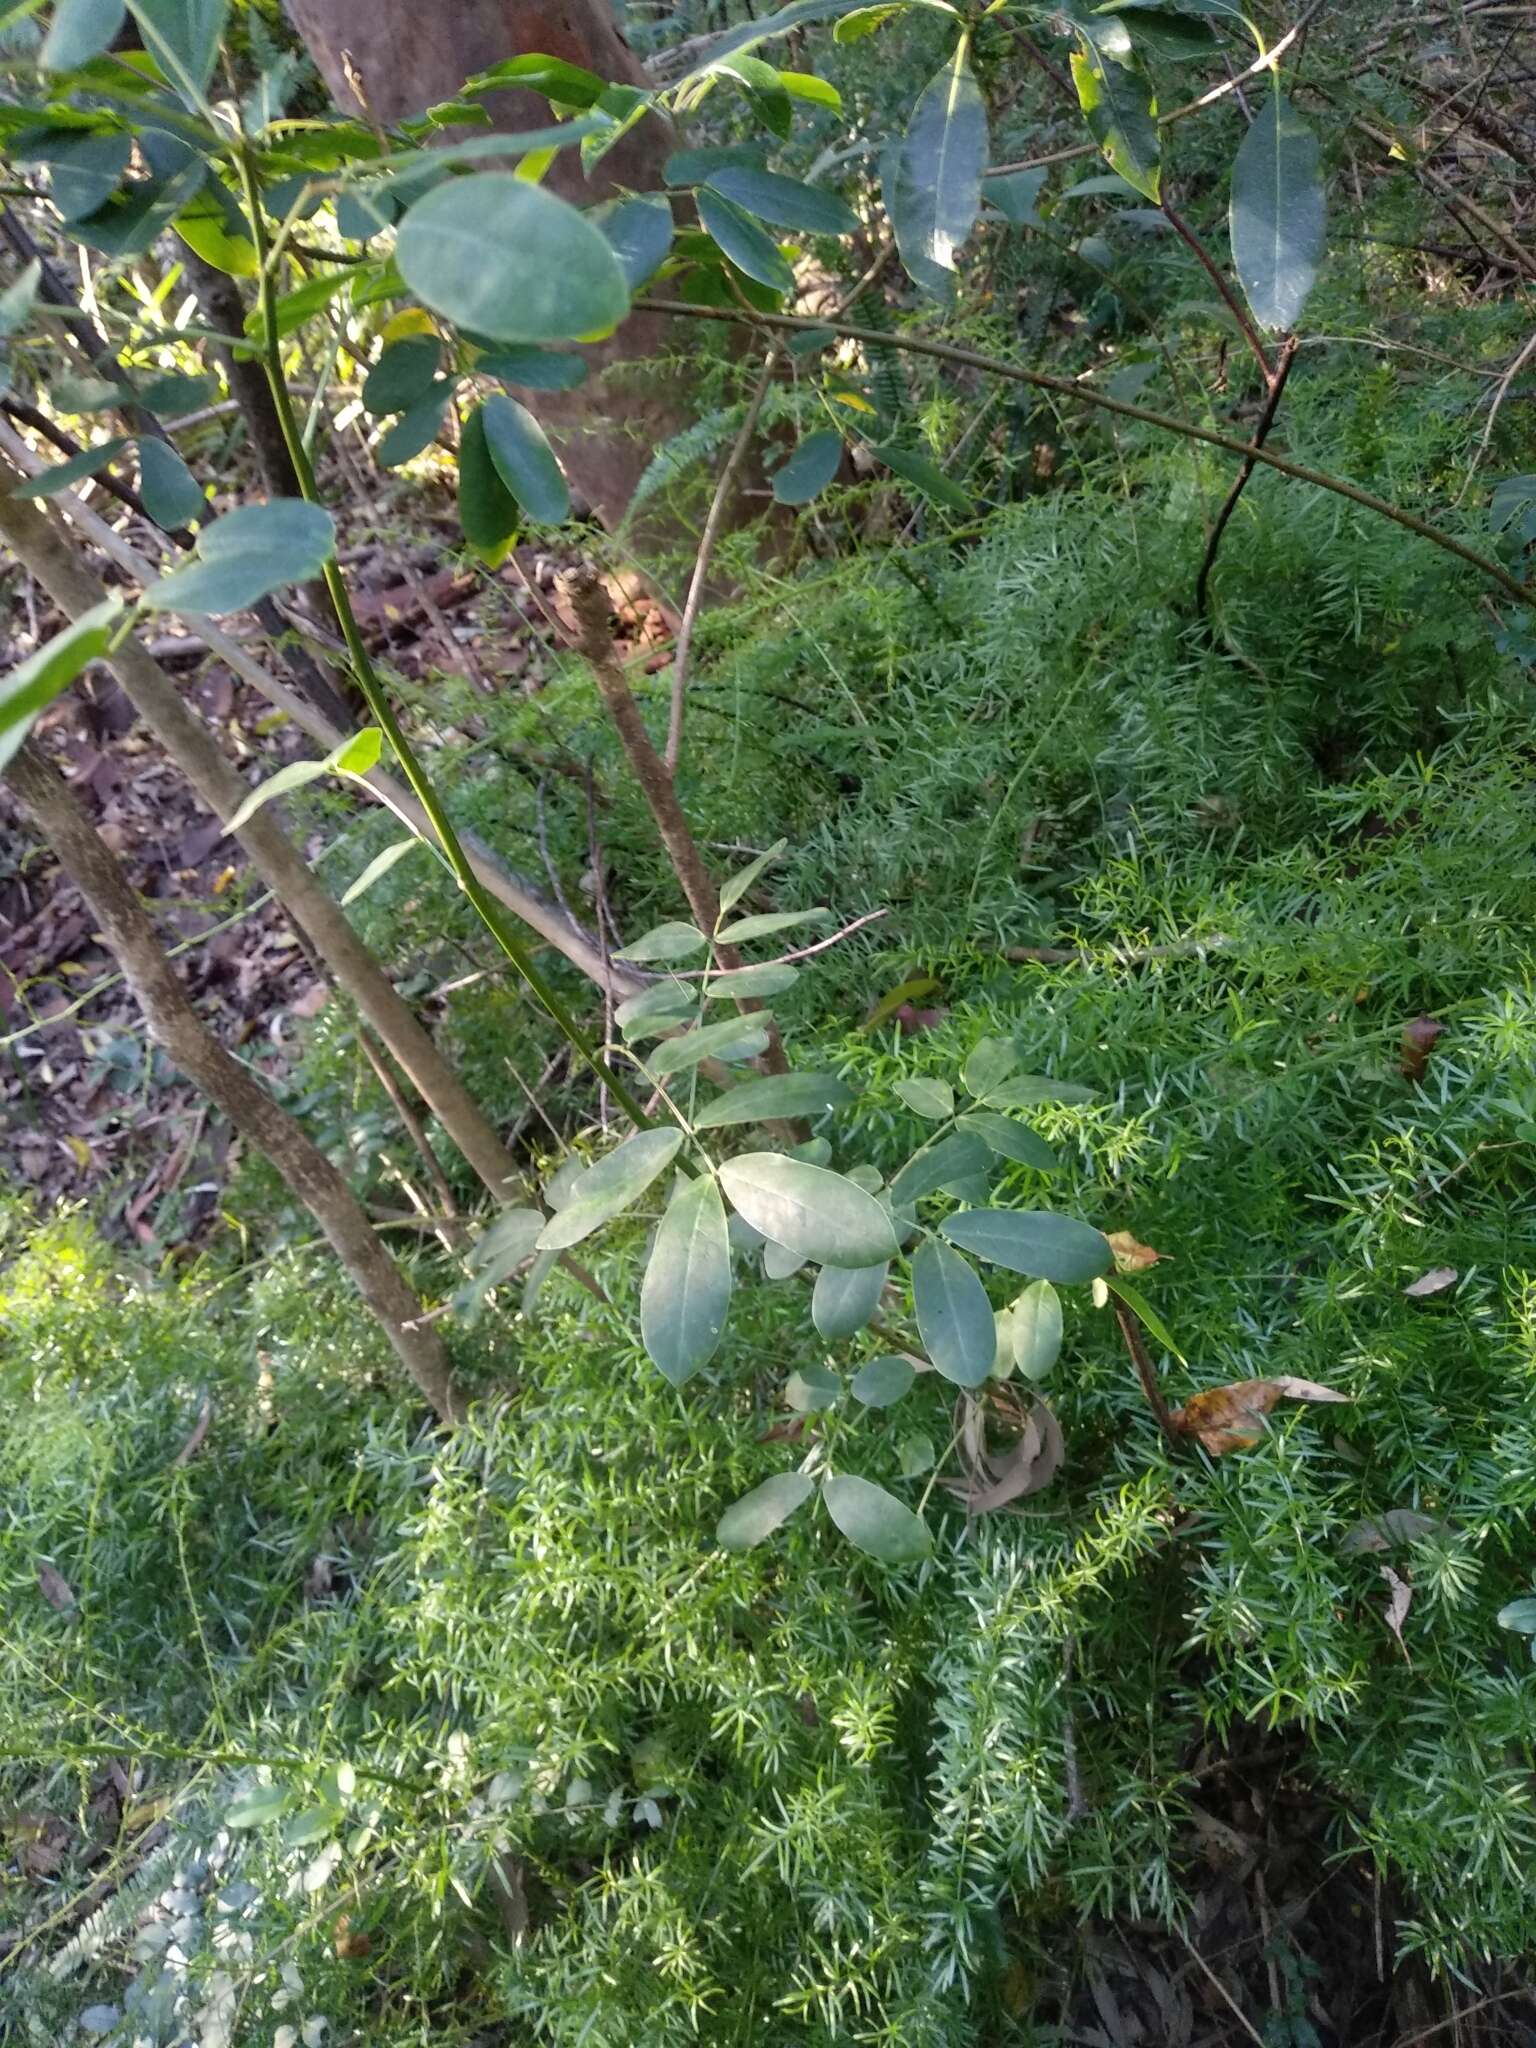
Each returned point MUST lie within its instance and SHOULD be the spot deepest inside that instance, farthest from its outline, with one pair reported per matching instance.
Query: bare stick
(1212, 268)
(1277, 384)
(1499, 397)
(694, 602)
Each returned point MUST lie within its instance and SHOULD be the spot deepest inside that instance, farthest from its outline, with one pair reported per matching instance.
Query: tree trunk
(36, 542)
(405, 56)
(229, 1086)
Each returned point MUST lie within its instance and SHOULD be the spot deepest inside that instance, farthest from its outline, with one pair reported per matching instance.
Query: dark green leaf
(1038, 1242)
(739, 883)
(89, 462)
(403, 375)
(487, 509)
(767, 924)
(1279, 213)
(784, 201)
(694, 166)
(183, 38)
(20, 296)
(845, 1298)
(924, 476)
(733, 1039)
(953, 1314)
(300, 306)
(813, 1212)
(748, 246)
(507, 259)
(875, 1521)
(524, 460)
(246, 555)
(882, 1382)
(1037, 1329)
(934, 185)
(1145, 1313)
(665, 943)
(535, 369)
(951, 1158)
(81, 29)
(686, 1293)
(640, 233)
(1015, 195)
(989, 1064)
(416, 429)
(1117, 99)
(32, 686)
(758, 1513)
(779, 1262)
(1164, 32)
(810, 469)
(172, 495)
(1010, 1140)
(598, 1195)
(173, 396)
(135, 218)
(934, 1100)
(773, 1097)
(1028, 1091)
(83, 170)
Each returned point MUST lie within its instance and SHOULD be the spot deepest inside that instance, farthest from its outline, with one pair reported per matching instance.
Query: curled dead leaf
(1399, 1600)
(351, 1944)
(1435, 1281)
(1130, 1256)
(994, 1477)
(55, 1589)
(1232, 1418)
(1419, 1037)
(1382, 1532)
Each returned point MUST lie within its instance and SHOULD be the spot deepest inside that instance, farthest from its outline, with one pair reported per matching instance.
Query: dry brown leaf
(55, 1588)
(1131, 1257)
(1028, 1465)
(1232, 1418)
(350, 1946)
(1399, 1601)
(1396, 1525)
(1419, 1038)
(1435, 1281)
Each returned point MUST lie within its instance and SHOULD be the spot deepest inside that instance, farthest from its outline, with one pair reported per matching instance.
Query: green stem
(488, 910)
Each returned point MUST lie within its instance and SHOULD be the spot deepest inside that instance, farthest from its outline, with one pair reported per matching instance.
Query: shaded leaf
(773, 1097)
(172, 495)
(812, 1389)
(882, 1382)
(770, 979)
(1036, 1242)
(1278, 213)
(990, 1062)
(183, 38)
(1231, 1418)
(1028, 1091)
(742, 880)
(785, 201)
(255, 1808)
(524, 460)
(639, 231)
(734, 1038)
(598, 1195)
(934, 1100)
(81, 29)
(933, 187)
(686, 1293)
(1010, 1140)
(247, 555)
(89, 462)
(817, 1214)
(665, 943)
(845, 1297)
(488, 512)
(923, 475)
(505, 258)
(750, 247)
(808, 471)
(377, 868)
(1015, 195)
(875, 1521)
(954, 1316)
(1519, 1615)
(416, 429)
(1385, 1531)
(757, 1514)
(403, 375)
(659, 1008)
(535, 369)
(950, 1159)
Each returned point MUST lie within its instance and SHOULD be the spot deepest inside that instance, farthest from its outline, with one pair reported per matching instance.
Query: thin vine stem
(1064, 387)
(377, 697)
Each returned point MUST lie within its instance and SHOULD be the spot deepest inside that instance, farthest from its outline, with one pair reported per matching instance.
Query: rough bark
(232, 1089)
(37, 543)
(405, 57)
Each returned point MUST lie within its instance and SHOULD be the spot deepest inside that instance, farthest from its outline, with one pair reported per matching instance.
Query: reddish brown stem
(1146, 1372)
(1233, 303)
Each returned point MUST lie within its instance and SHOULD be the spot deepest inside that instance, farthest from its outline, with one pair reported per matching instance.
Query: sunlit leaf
(686, 1293)
(1036, 1325)
(875, 1521)
(247, 555)
(954, 1316)
(1118, 101)
(933, 188)
(32, 686)
(172, 495)
(598, 1195)
(882, 1381)
(818, 1214)
(844, 1299)
(774, 1097)
(1037, 1242)
(1279, 213)
(758, 1513)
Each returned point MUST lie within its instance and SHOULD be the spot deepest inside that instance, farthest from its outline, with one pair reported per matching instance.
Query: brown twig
(1117, 956)
(1233, 303)
(1080, 394)
(1277, 384)
(1146, 1372)
(693, 604)
(802, 952)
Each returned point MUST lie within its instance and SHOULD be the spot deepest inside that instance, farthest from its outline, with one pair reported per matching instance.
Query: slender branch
(488, 910)
(1277, 384)
(1212, 269)
(1499, 397)
(1064, 387)
(784, 959)
(1146, 1372)
(694, 603)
